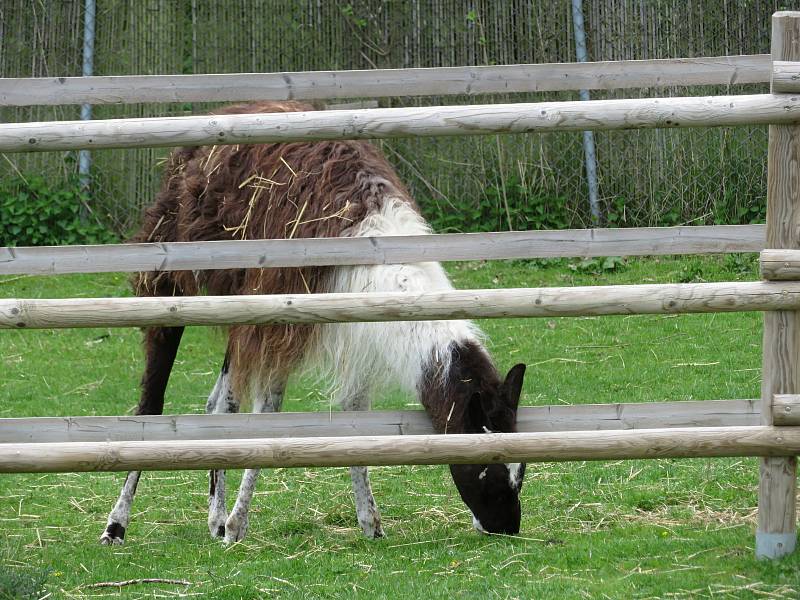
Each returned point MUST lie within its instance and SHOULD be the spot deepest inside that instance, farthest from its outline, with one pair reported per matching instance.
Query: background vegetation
(646, 177)
(37, 212)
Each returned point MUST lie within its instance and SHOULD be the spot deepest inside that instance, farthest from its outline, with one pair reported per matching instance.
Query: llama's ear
(512, 386)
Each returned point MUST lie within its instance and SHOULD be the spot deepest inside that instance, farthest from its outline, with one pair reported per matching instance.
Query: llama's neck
(400, 351)
(445, 390)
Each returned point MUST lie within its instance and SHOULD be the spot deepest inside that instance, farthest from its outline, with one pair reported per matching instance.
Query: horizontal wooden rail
(530, 419)
(711, 111)
(169, 455)
(786, 77)
(177, 256)
(780, 265)
(391, 306)
(786, 409)
(321, 85)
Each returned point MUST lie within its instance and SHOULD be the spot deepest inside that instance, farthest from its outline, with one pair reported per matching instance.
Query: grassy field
(637, 529)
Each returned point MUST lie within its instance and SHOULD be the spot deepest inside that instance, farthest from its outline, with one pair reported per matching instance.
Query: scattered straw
(297, 219)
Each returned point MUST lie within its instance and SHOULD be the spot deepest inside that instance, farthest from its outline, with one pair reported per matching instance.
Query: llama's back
(268, 191)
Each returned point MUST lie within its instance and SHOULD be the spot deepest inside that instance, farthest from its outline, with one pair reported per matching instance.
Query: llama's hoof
(378, 533)
(216, 527)
(235, 528)
(114, 535)
(372, 531)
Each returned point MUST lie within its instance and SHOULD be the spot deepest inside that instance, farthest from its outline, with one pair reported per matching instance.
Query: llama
(305, 190)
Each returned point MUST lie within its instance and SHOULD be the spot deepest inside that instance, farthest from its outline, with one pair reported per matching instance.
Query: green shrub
(20, 582)
(514, 202)
(38, 212)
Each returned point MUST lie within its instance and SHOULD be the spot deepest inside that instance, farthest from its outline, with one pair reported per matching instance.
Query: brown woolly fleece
(263, 191)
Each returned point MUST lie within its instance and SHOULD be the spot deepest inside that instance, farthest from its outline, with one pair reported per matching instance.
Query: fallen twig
(136, 582)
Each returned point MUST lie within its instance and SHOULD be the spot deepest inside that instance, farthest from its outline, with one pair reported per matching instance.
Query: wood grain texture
(177, 256)
(323, 85)
(781, 362)
(780, 264)
(400, 450)
(785, 77)
(391, 306)
(786, 409)
(380, 123)
(577, 417)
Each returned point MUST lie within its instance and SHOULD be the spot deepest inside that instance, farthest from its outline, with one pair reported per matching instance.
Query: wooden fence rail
(530, 419)
(780, 264)
(404, 306)
(710, 111)
(785, 77)
(378, 83)
(170, 455)
(177, 256)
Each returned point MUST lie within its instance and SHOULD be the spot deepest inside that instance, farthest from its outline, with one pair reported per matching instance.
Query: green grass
(635, 529)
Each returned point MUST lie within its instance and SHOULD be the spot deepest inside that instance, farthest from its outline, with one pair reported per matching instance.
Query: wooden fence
(765, 428)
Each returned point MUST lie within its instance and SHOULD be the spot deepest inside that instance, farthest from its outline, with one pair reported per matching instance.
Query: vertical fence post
(777, 529)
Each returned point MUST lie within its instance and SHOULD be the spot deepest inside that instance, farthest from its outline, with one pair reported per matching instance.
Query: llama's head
(492, 491)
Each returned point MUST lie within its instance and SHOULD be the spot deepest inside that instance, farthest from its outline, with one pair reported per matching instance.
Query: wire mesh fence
(519, 181)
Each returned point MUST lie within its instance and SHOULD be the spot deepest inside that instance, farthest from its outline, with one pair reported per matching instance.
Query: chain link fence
(522, 181)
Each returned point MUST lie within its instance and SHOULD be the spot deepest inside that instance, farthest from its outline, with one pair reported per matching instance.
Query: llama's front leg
(220, 401)
(369, 517)
(238, 521)
(161, 347)
(120, 515)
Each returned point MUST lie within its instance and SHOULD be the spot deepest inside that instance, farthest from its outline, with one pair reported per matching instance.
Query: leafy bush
(22, 584)
(515, 202)
(598, 265)
(38, 212)
(19, 582)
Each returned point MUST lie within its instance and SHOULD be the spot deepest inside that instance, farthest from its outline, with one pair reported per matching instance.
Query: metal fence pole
(84, 157)
(590, 158)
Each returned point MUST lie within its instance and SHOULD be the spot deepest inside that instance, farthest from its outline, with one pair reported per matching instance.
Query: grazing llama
(313, 190)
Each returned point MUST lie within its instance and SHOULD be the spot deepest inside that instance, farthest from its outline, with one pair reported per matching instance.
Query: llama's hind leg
(161, 347)
(238, 521)
(220, 401)
(369, 517)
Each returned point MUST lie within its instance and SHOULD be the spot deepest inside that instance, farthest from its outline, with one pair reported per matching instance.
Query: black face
(491, 496)
(492, 491)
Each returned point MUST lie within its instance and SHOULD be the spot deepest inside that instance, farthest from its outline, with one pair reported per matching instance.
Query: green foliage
(615, 214)
(20, 582)
(671, 217)
(731, 210)
(502, 202)
(349, 13)
(585, 266)
(692, 271)
(599, 265)
(742, 264)
(38, 212)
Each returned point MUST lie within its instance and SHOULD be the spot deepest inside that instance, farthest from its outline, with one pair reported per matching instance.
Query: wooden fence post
(776, 535)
